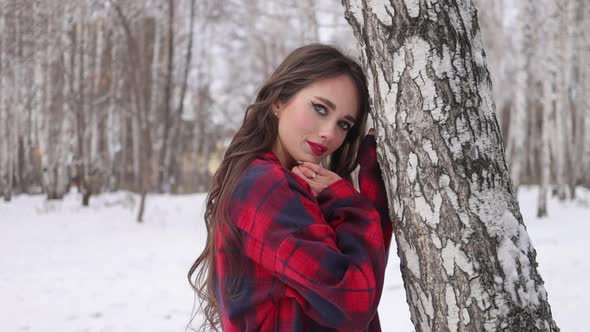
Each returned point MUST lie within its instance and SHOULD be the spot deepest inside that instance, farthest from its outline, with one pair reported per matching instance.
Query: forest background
(103, 102)
(143, 96)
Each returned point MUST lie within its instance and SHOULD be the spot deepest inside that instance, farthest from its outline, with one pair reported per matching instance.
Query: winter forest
(143, 95)
(119, 100)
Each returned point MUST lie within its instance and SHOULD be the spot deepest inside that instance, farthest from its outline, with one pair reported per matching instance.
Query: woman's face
(315, 121)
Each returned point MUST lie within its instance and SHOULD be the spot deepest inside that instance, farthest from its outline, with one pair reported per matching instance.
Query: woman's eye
(319, 108)
(345, 125)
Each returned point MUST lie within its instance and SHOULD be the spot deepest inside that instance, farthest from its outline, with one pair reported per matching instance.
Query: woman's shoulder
(266, 174)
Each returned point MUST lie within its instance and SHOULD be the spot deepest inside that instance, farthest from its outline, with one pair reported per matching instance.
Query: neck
(284, 157)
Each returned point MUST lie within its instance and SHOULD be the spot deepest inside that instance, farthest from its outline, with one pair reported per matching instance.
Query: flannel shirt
(309, 263)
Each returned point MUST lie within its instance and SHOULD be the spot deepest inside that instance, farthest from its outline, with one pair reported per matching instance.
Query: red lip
(317, 148)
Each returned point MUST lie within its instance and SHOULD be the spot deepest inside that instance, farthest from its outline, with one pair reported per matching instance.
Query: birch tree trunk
(174, 151)
(515, 147)
(467, 261)
(586, 91)
(577, 167)
(166, 106)
(550, 83)
(3, 112)
(561, 139)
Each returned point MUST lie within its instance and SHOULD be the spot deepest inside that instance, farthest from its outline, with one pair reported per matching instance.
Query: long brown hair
(257, 135)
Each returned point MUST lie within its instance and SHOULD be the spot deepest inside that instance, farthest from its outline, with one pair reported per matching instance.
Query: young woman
(292, 245)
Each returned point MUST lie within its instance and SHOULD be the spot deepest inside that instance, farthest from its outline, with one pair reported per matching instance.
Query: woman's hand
(368, 152)
(316, 176)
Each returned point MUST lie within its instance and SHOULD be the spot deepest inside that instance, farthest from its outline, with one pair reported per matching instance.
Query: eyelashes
(320, 108)
(323, 111)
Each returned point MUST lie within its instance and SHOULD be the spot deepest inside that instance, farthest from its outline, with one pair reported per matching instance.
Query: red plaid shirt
(309, 263)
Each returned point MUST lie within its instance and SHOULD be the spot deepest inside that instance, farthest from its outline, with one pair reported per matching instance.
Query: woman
(293, 246)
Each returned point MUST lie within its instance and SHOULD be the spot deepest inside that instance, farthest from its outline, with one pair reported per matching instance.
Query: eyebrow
(333, 107)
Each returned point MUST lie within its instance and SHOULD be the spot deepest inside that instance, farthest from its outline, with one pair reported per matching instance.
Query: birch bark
(467, 261)
(550, 83)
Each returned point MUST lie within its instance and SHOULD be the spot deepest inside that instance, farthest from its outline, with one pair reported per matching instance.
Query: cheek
(339, 143)
(304, 121)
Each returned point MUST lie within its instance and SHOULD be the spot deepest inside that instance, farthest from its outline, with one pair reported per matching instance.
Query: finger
(298, 172)
(308, 173)
(314, 167)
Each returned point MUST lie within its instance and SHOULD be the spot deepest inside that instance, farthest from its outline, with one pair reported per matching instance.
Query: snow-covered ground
(68, 268)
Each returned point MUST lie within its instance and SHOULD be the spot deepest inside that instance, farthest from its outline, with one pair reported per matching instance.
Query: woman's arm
(371, 185)
(334, 266)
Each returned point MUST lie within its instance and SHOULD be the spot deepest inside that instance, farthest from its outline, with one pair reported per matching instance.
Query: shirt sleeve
(372, 186)
(330, 252)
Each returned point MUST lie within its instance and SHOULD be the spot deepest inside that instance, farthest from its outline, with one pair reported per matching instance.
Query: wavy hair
(256, 136)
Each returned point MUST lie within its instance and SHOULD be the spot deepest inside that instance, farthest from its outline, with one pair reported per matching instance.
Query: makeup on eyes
(331, 106)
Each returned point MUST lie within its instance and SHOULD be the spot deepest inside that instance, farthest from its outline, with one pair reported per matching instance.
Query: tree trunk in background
(3, 112)
(584, 92)
(174, 152)
(550, 82)
(310, 21)
(491, 19)
(575, 169)
(163, 183)
(563, 106)
(515, 147)
(467, 261)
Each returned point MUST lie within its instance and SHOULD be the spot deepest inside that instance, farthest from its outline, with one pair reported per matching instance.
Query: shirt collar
(270, 156)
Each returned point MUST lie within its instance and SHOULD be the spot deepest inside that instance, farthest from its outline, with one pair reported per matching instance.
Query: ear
(277, 107)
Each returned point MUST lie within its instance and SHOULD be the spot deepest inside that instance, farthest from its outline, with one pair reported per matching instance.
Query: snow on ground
(68, 268)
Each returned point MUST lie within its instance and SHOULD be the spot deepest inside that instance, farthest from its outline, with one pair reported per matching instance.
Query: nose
(328, 132)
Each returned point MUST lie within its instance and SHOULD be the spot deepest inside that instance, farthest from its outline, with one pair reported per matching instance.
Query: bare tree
(550, 103)
(584, 90)
(167, 100)
(515, 147)
(467, 261)
(140, 83)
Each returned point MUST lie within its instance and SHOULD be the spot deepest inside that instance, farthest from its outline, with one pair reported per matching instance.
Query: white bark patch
(453, 309)
(429, 214)
(413, 7)
(487, 105)
(512, 255)
(465, 316)
(403, 115)
(412, 166)
(424, 326)
(449, 66)
(513, 245)
(382, 10)
(391, 160)
(444, 181)
(466, 12)
(417, 317)
(453, 255)
(427, 146)
(426, 303)
(423, 302)
(356, 10)
(483, 301)
(432, 9)
(461, 136)
(436, 240)
(420, 51)
(477, 50)
(390, 95)
(413, 261)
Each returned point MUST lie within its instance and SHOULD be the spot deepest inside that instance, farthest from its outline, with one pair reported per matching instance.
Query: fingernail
(299, 162)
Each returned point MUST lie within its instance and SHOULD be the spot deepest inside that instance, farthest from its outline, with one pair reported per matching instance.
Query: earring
(276, 114)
